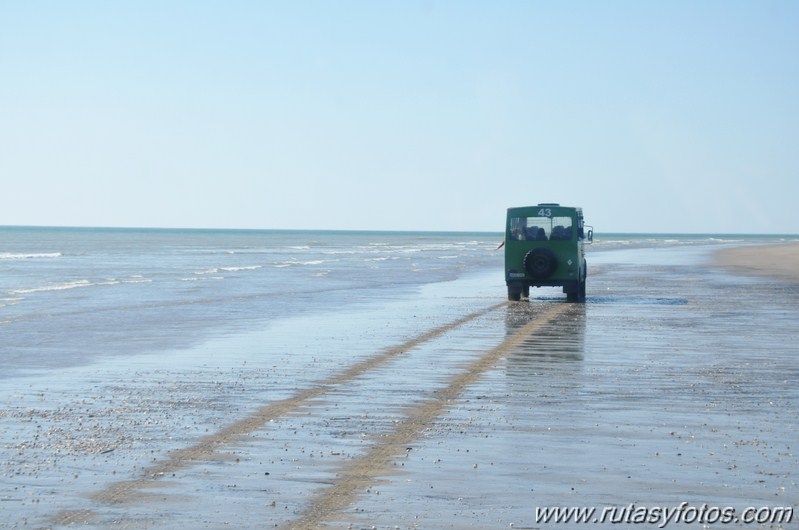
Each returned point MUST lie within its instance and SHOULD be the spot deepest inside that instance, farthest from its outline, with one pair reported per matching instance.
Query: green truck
(544, 247)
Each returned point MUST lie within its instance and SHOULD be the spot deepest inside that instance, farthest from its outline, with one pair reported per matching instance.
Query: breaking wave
(76, 285)
(33, 255)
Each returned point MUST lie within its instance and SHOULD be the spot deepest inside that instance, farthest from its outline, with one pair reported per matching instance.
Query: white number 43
(545, 212)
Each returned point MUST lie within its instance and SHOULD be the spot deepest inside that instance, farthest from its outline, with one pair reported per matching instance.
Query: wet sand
(448, 409)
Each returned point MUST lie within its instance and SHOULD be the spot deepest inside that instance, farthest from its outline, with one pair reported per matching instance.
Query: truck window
(540, 228)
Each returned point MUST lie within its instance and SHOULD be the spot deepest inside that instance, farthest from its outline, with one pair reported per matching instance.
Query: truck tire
(582, 283)
(579, 295)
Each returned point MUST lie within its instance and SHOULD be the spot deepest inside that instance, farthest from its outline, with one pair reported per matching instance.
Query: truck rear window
(540, 228)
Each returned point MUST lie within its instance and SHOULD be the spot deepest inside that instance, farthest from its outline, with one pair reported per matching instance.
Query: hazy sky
(410, 115)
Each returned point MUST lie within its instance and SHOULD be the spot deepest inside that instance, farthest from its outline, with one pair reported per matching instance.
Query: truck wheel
(579, 294)
(582, 283)
(540, 262)
(526, 291)
(571, 297)
(514, 293)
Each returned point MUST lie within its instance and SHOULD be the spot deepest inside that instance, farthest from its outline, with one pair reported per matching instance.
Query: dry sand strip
(776, 261)
(356, 476)
(208, 447)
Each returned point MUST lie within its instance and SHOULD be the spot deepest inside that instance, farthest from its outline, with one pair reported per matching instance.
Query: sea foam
(35, 255)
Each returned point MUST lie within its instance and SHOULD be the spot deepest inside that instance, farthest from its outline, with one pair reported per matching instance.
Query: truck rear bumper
(569, 286)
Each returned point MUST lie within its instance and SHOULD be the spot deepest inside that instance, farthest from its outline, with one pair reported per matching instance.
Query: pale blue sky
(409, 115)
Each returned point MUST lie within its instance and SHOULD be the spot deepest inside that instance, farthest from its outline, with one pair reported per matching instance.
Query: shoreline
(774, 261)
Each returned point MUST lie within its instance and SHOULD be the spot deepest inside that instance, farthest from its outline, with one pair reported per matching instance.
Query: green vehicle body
(544, 247)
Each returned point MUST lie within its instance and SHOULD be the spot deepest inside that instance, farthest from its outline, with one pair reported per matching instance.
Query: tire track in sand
(208, 447)
(358, 475)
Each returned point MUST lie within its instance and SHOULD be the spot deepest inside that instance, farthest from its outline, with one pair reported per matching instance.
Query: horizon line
(358, 230)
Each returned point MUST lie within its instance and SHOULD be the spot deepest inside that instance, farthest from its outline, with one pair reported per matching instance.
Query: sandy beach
(777, 261)
(450, 408)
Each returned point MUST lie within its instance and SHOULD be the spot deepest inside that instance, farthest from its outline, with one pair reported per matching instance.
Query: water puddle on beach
(450, 408)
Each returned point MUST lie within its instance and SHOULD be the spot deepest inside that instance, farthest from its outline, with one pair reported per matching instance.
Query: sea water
(69, 295)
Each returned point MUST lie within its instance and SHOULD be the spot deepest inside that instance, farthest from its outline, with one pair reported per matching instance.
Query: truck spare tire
(540, 262)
